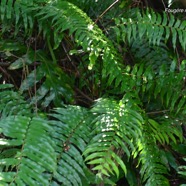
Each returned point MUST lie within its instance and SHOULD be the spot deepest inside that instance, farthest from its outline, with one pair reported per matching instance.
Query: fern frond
(71, 129)
(172, 82)
(151, 55)
(9, 101)
(165, 131)
(86, 34)
(153, 169)
(165, 83)
(61, 16)
(153, 27)
(36, 157)
(116, 127)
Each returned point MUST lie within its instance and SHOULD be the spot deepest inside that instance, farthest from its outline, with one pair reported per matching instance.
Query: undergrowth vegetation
(92, 93)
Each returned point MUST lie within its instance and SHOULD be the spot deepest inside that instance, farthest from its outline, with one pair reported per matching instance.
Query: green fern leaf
(116, 126)
(153, 168)
(35, 158)
(150, 25)
(70, 134)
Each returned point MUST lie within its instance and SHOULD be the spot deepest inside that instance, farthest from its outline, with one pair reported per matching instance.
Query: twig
(100, 16)
(87, 97)
(157, 112)
(5, 64)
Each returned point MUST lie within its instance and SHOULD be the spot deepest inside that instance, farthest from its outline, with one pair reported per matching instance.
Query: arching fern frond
(153, 166)
(86, 34)
(115, 130)
(153, 27)
(61, 16)
(153, 169)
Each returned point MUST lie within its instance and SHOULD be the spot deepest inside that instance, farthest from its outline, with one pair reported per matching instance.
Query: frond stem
(51, 51)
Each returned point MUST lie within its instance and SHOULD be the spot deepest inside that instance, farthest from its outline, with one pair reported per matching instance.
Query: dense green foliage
(91, 93)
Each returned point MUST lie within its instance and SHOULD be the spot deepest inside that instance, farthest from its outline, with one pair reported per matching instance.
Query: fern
(143, 117)
(55, 145)
(86, 34)
(153, 168)
(153, 27)
(116, 127)
(28, 144)
(29, 164)
(182, 170)
(152, 160)
(9, 101)
(71, 126)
